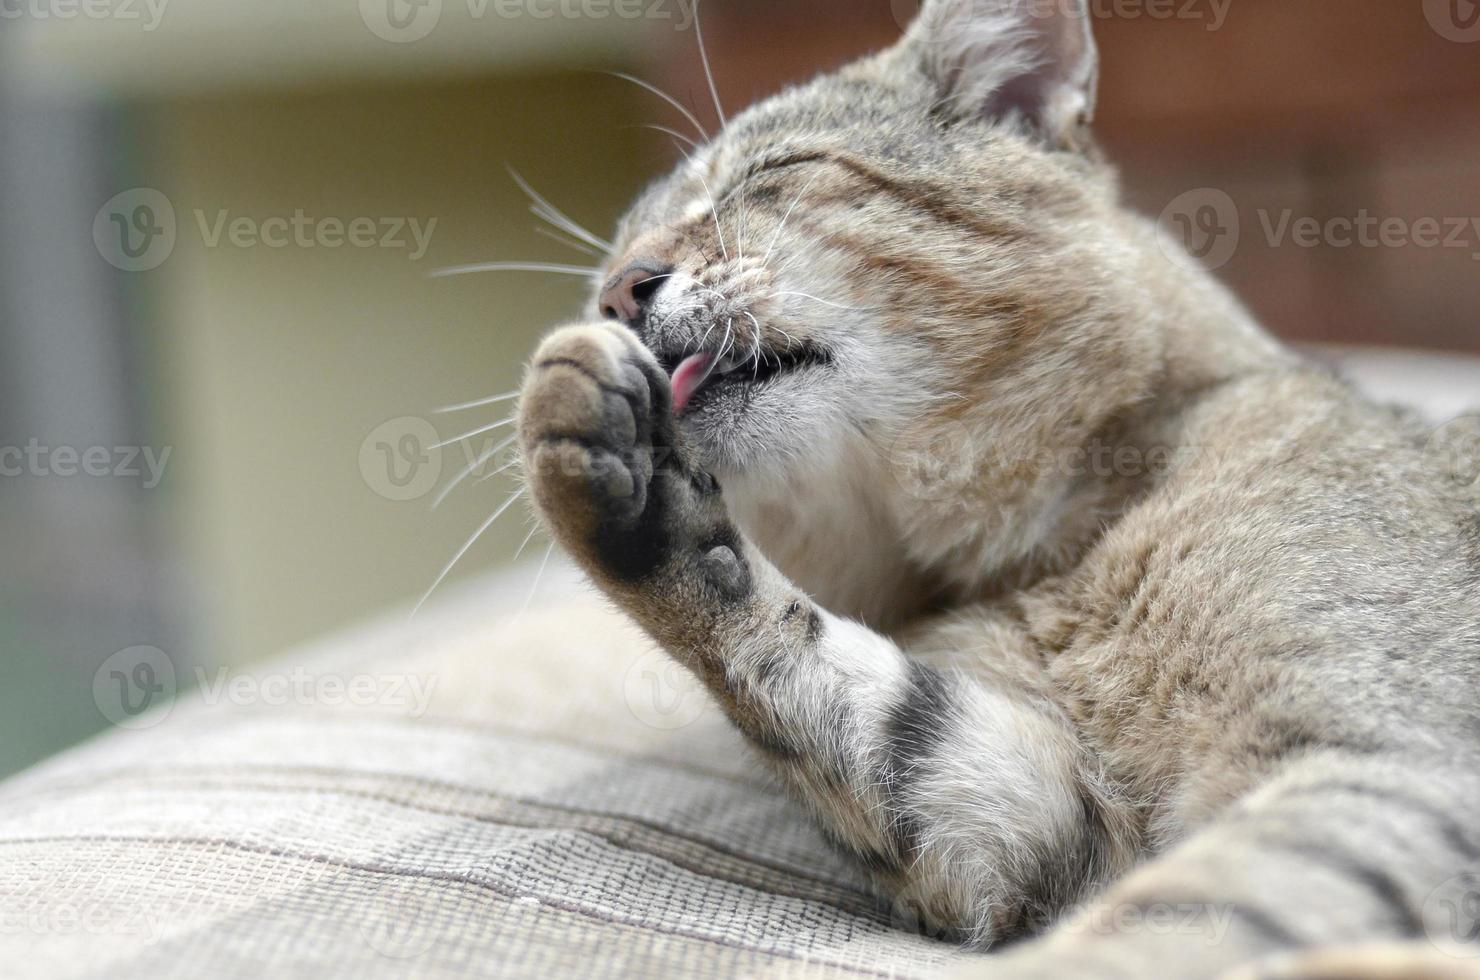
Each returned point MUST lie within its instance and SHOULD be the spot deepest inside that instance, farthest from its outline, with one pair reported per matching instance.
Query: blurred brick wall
(1294, 109)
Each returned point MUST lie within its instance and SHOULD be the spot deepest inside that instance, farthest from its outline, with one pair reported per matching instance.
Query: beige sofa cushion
(531, 795)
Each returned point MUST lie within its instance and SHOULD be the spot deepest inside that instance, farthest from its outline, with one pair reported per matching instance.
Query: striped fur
(1066, 599)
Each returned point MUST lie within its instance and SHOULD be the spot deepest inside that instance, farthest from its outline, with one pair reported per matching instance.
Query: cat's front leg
(972, 805)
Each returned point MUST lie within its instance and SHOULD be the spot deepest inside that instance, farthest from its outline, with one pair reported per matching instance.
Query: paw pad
(725, 571)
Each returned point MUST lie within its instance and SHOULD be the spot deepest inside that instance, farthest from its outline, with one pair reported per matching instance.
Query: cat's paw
(590, 427)
(606, 467)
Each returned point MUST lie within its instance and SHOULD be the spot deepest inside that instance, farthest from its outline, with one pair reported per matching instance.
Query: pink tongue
(688, 377)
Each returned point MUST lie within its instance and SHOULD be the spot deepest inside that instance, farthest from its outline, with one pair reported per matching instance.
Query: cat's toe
(586, 428)
(592, 384)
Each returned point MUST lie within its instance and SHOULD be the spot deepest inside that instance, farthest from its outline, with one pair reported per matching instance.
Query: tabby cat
(1047, 580)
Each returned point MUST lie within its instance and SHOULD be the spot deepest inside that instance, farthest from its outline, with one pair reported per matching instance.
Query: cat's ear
(1033, 59)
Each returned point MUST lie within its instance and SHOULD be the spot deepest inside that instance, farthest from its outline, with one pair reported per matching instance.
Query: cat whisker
(472, 468)
(694, 120)
(725, 345)
(476, 432)
(704, 57)
(507, 396)
(741, 223)
(756, 342)
(584, 272)
(758, 336)
(705, 339)
(538, 576)
(688, 308)
(671, 133)
(706, 291)
(699, 289)
(555, 236)
(468, 546)
(714, 213)
(549, 212)
(533, 530)
(824, 302)
(713, 205)
(786, 217)
(696, 291)
(782, 636)
(502, 469)
(742, 226)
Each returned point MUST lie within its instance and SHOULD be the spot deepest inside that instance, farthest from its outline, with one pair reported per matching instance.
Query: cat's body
(1039, 572)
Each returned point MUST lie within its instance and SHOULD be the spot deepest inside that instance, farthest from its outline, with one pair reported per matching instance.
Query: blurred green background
(292, 383)
(282, 381)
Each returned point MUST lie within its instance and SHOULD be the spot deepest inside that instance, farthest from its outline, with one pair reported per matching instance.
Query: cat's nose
(631, 291)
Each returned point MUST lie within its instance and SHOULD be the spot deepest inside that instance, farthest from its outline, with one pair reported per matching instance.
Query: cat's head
(899, 242)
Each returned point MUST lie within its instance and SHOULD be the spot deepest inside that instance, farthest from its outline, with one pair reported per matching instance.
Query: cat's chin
(762, 428)
(730, 425)
(720, 412)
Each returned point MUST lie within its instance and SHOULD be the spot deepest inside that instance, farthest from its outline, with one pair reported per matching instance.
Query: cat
(1041, 574)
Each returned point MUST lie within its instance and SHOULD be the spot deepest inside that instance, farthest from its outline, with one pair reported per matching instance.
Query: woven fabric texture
(536, 794)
